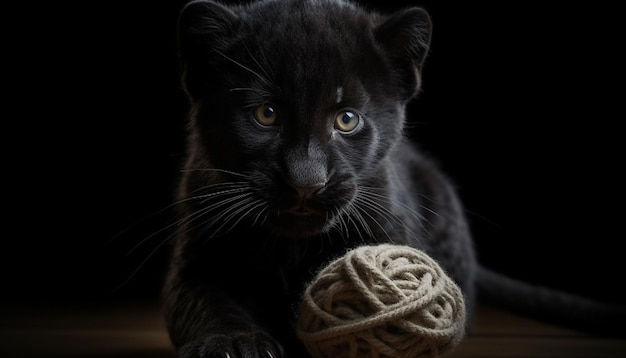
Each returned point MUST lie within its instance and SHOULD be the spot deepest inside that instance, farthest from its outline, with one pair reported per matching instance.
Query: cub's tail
(551, 306)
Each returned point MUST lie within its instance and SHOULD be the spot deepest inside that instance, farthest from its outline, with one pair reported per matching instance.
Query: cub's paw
(238, 345)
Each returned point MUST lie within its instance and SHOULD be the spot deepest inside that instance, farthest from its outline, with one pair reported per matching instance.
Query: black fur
(263, 207)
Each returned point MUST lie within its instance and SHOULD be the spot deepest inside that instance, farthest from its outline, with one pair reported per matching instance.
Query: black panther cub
(295, 154)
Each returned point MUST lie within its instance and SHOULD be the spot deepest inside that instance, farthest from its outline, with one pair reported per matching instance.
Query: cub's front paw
(241, 345)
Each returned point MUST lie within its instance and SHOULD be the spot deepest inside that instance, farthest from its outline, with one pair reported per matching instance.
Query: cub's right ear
(205, 28)
(406, 38)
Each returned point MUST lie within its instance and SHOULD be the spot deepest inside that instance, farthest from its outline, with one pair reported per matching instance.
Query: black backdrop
(521, 104)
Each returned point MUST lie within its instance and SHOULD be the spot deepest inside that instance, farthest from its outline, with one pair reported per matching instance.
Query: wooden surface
(136, 330)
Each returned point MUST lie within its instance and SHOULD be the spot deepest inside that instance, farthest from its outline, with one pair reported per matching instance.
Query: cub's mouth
(299, 223)
(300, 216)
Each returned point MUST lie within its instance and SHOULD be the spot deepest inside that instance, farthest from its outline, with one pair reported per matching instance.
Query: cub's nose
(307, 191)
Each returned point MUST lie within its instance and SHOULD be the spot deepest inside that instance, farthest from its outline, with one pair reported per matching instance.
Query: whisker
(175, 223)
(251, 208)
(343, 227)
(216, 202)
(210, 196)
(263, 79)
(267, 214)
(421, 219)
(139, 222)
(204, 211)
(262, 68)
(256, 218)
(149, 237)
(384, 212)
(215, 170)
(354, 209)
(241, 185)
(241, 206)
(360, 222)
(370, 190)
(243, 89)
(363, 209)
(213, 187)
(207, 209)
(141, 264)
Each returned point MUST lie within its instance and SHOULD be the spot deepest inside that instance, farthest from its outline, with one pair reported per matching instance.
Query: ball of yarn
(381, 301)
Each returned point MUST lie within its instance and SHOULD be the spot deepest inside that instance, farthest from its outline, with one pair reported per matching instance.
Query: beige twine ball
(382, 301)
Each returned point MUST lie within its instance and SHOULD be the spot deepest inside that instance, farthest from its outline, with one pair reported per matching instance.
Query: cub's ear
(205, 28)
(405, 36)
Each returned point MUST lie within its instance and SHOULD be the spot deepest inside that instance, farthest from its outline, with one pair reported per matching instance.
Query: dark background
(521, 104)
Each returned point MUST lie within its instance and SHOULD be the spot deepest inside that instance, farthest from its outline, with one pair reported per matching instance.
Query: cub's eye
(265, 115)
(347, 121)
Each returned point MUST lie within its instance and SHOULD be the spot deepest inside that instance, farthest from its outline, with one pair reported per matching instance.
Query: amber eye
(347, 121)
(265, 114)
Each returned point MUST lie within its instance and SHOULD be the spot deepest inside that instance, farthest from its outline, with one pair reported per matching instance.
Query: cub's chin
(300, 224)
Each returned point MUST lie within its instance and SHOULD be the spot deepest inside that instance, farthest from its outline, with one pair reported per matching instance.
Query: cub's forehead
(300, 9)
(305, 42)
(302, 21)
(322, 46)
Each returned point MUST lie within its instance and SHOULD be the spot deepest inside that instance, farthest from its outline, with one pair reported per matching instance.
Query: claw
(269, 354)
(227, 355)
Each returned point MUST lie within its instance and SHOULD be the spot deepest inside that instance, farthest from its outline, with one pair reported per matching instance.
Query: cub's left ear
(405, 36)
